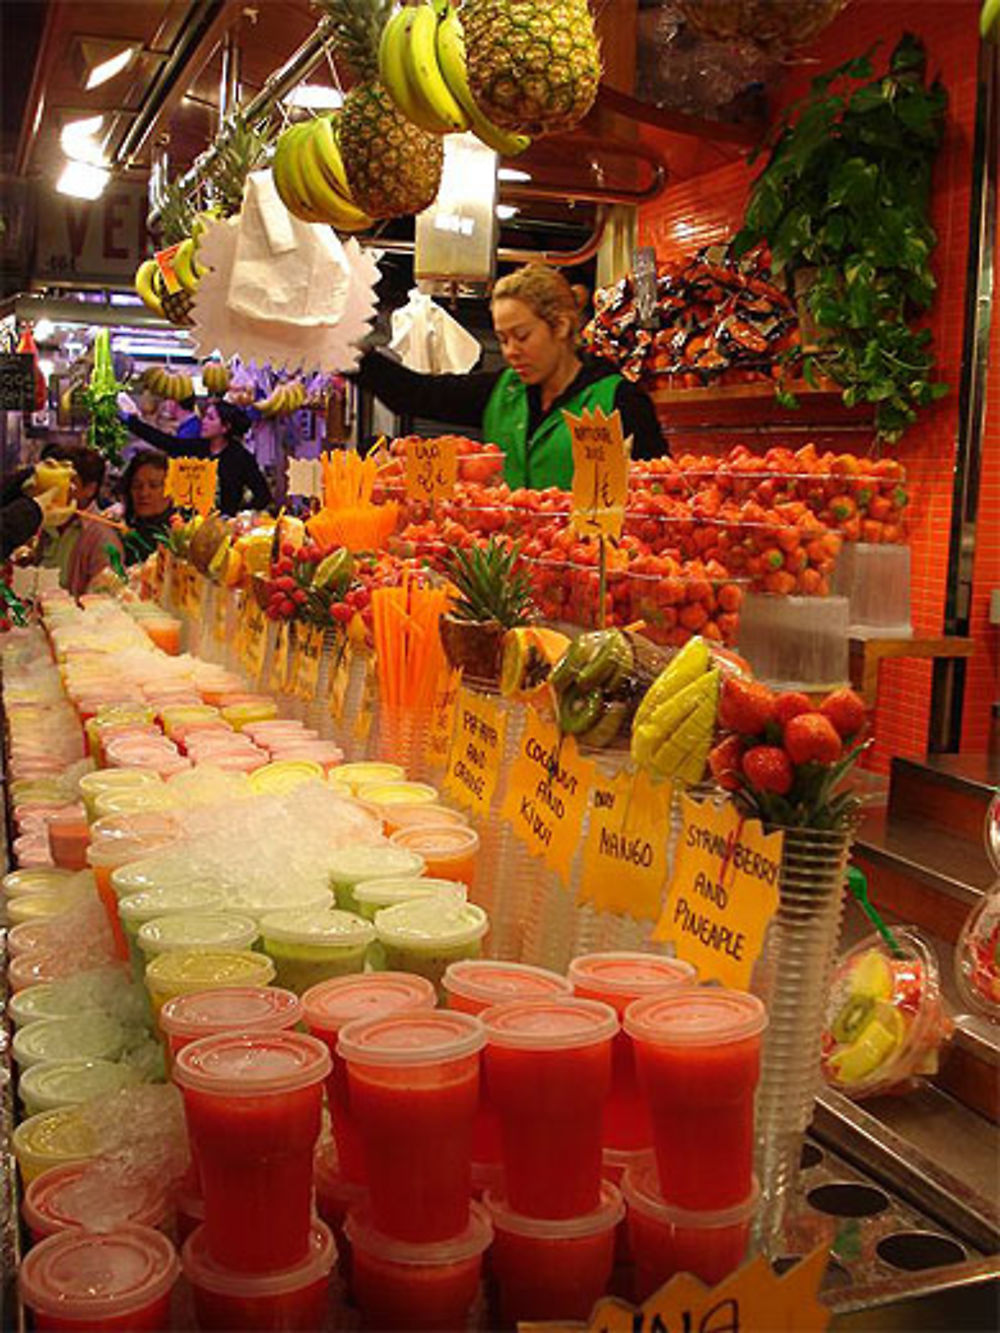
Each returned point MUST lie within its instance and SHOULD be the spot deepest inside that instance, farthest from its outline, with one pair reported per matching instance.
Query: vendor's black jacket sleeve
(176, 446)
(458, 399)
(19, 521)
(640, 421)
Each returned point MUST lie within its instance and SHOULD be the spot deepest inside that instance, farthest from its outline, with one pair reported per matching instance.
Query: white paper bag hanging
(428, 339)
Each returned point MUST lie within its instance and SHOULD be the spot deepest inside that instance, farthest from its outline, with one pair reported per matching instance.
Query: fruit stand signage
(625, 854)
(254, 639)
(442, 724)
(191, 483)
(431, 469)
(17, 382)
(278, 675)
(307, 657)
(723, 893)
(548, 794)
(476, 754)
(340, 676)
(600, 473)
(754, 1299)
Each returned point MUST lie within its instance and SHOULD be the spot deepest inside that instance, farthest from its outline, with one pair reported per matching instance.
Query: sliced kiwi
(579, 712)
(856, 1014)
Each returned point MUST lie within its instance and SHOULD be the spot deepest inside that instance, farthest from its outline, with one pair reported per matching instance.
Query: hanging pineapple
(393, 167)
(240, 152)
(177, 219)
(534, 65)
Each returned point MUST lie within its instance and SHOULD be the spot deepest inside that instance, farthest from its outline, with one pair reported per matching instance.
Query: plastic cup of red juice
(88, 1282)
(553, 1270)
(475, 984)
(62, 1199)
(253, 1104)
(618, 979)
(698, 1056)
(188, 1018)
(665, 1240)
(295, 1298)
(398, 1285)
(548, 1067)
(330, 1006)
(336, 1196)
(414, 1088)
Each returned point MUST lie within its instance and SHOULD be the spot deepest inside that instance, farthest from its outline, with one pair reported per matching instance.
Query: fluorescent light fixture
(82, 180)
(102, 71)
(513, 174)
(507, 211)
(315, 97)
(79, 140)
(44, 330)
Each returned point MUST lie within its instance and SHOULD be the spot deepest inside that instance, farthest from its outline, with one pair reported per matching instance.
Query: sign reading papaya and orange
(476, 753)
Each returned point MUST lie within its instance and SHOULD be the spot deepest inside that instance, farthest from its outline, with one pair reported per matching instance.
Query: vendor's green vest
(547, 458)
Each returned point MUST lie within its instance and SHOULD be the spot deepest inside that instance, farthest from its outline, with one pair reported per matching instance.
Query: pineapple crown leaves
(241, 151)
(176, 215)
(356, 30)
(491, 584)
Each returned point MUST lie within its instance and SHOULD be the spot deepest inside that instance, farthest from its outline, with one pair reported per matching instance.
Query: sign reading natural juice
(723, 893)
(476, 754)
(600, 473)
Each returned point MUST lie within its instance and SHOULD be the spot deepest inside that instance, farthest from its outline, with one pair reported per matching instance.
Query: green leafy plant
(105, 431)
(845, 193)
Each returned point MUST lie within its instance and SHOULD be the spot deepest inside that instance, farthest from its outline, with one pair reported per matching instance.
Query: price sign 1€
(600, 473)
(431, 469)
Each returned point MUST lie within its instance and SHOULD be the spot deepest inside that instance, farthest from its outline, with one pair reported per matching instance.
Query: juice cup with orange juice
(449, 851)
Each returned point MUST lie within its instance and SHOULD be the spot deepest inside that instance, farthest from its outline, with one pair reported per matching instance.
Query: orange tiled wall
(710, 207)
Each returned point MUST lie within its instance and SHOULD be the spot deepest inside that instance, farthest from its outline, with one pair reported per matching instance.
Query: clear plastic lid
(629, 975)
(431, 922)
(284, 775)
(54, 1136)
(131, 800)
(696, 1017)
(469, 1244)
(328, 926)
(641, 1189)
(251, 1064)
(260, 900)
(82, 1194)
(490, 982)
(118, 839)
(377, 860)
(203, 1272)
(29, 937)
(86, 1277)
(210, 931)
(169, 867)
(415, 1038)
(605, 1217)
(236, 1008)
(357, 775)
(379, 893)
(116, 779)
(333, 1004)
(547, 1025)
(70, 1082)
(37, 880)
(397, 793)
(437, 841)
(176, 973)
(86, 1036)
(155, 903)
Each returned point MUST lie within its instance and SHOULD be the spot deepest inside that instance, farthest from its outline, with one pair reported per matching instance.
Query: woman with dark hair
(223, 426)
(147, 508)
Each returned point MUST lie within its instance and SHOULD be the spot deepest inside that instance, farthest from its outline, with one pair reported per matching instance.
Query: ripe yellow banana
(144, 286)
(287, 175)
(184, 266)
(392, 68)
(451, 59)
(328, 130)
(425, 75)
(321, 193)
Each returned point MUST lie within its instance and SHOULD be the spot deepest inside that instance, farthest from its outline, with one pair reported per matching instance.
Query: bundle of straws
(412, 667)
(348, 517)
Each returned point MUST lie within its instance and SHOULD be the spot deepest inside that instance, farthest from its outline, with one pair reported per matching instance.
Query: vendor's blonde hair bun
(546, 293)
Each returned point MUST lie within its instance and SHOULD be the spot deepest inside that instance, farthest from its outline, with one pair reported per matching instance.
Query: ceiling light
(513, 174)
(315, 97)
(83, 180)
(44, 330)
(507, 211)
(79, 140)
(102, 67)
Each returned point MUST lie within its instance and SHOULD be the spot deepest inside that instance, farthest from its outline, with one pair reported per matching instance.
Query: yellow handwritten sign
(369, 700)
(306, 662)
(220, 617)
(723, 893)
(442, 723)
(191, 483)
(255, 639)
(476, 753)
(754, 1299)
(600, 473)
(195, 594)
(547, 794)
(340, 675)
(431, 469)
(277, 679)
(625, 866)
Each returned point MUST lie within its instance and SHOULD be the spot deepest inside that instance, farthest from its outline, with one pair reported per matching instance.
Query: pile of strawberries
(784, 755)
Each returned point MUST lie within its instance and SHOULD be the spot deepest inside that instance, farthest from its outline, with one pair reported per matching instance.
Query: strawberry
(768, 768)
(724, 762)
(846, 710)
(811, 738)
(791, 705)
(745, 707)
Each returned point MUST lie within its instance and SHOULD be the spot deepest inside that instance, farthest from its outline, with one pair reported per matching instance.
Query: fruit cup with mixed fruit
(886, 1021)
(977, 957)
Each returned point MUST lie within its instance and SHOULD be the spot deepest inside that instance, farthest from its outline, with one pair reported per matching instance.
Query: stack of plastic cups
(341, 1180)
(253, 1105)
(509, 871)
(548, 1067)
(418, 1243)
(117, 841)
(698, 1056)
(470, 987)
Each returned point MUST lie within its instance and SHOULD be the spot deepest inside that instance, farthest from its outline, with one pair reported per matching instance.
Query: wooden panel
(916, 794)
(973, 1082)
(911, 901)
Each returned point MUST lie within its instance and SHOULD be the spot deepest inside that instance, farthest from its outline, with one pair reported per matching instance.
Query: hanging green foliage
(105, 430)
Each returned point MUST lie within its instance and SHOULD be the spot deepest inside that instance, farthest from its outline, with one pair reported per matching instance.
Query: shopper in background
(536, 318)
(21, 515)
(187, 418)
(223, 426)
(147, 506)
(79, 546)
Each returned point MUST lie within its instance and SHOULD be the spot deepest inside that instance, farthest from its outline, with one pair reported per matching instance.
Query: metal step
(948, 792)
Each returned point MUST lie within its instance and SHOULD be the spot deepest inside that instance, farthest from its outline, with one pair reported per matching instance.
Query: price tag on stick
(600, 473)
(191, 483)
(431, 469)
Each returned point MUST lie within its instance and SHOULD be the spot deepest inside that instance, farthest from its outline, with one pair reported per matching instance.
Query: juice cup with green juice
(376, 894)
(83, 1036)
(93, 785)
(425, 935)
(53, 1083)
(202, 932)
(311, 946)
(379, 860)
(50, 1139)
(169, 899)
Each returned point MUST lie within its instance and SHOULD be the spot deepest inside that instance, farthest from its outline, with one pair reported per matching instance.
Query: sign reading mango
(625, 854)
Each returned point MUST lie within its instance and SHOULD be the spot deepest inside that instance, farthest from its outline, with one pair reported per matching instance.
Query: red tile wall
(709, 208)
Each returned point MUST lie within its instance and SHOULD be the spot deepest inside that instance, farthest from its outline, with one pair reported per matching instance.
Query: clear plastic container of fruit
(886, 1019)
(977, 957)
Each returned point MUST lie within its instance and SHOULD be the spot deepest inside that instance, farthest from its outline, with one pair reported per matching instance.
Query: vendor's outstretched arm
(458, 399)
